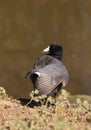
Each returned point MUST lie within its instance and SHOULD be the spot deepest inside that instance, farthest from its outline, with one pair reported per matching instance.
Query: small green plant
(18, 124)
(78, 101)
(60, 125)
(3, 128)
(34, 95)
(2, 91)
(83, 107)
(83, 103)
(63, 95)
(86, 104)
(48, 100)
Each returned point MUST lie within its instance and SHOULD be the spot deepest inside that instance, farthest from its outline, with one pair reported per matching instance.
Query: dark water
(26, 27)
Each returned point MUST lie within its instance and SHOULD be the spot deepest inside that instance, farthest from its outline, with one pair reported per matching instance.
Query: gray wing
(46, 84)
(54, 69)
(50, 77)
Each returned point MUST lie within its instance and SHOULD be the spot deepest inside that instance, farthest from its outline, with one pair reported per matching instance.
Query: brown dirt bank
(74, 114)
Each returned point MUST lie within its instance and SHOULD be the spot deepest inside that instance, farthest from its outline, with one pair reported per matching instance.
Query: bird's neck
(59, 57)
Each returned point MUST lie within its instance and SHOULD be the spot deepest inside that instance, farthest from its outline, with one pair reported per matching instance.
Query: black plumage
(49, 74)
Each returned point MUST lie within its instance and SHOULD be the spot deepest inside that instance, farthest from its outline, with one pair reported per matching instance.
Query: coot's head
(55, 50)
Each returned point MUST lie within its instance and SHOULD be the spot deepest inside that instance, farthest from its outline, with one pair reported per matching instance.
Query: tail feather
(33, 76)
(28, 75)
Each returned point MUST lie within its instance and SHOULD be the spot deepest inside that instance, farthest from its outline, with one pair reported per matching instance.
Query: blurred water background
(26, 27)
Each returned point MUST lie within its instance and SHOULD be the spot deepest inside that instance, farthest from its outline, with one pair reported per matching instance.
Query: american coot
(49, 74)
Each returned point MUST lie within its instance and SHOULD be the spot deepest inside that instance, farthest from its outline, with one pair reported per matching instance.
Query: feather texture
(49, 74)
